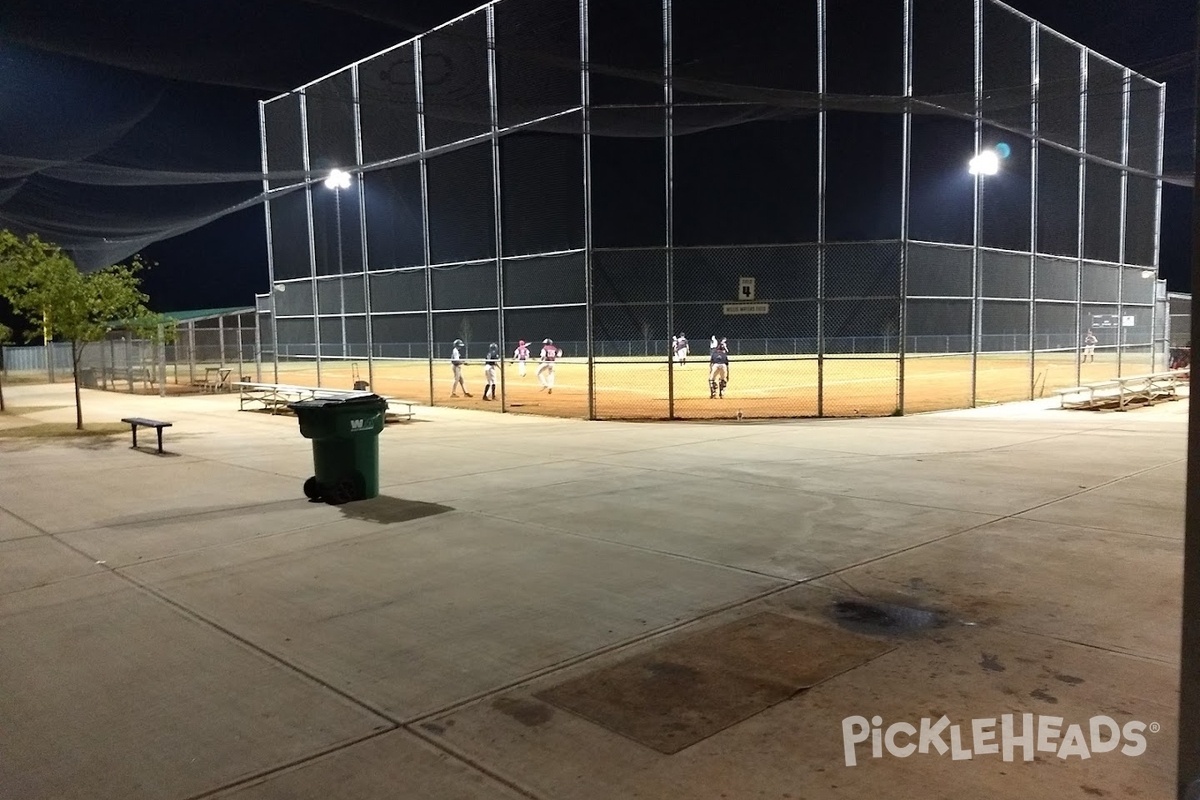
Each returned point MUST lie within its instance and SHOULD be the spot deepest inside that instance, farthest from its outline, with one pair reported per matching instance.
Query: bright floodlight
(986, 163)
(338, 180)
(1147, 273)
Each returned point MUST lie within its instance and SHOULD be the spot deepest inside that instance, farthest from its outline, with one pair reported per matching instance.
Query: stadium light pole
(338, 180)
(982, 164)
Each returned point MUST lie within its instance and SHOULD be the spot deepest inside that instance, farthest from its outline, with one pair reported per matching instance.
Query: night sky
(163, 97)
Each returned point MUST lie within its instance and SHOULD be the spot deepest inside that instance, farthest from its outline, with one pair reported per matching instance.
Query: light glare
(338, 179)
(986, 163)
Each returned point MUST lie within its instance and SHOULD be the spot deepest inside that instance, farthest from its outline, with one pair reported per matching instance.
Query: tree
(5, 336)
(41, 283)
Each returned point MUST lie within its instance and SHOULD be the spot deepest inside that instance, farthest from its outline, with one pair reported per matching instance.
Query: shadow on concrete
(387, 510)
(208, 514)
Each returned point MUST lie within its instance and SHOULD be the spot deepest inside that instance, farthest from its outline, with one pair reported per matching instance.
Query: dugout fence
(200, 350)
(794, 180)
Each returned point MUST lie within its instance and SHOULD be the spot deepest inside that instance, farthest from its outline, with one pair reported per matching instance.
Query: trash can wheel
(341, 492)
(312, 489)
(346, 490)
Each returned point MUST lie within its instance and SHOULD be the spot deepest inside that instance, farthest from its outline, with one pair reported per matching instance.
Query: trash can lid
(341, 398)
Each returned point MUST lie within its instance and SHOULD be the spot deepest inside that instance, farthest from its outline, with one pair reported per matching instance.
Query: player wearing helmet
(521, 354)
(718, 369)
(489, 371)
(681, 349)
(457, 360)
(545, 373)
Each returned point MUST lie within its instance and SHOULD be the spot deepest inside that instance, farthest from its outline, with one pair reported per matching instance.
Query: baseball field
(758, 387)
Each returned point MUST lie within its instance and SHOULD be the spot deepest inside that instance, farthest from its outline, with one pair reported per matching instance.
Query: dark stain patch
(991, 662)
(1041, 694)
(1092, 790)
(433, 727)
(876, 616)
(527, 712)
(1068, 679)
(1025, 660)
(669, 670)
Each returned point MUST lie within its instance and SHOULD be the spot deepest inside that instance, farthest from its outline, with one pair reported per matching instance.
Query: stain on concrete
(1068, 679)
(1041, 694)
(865, 615)
(991, 662)
(672, 671)
(1092, 790)
(433, 727)
(527, 712)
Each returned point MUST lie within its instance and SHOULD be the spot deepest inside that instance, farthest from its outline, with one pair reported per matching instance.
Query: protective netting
(125, 176)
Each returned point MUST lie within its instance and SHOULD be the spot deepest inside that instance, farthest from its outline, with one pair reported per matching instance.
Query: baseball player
(521, 355)
(681, 349)
(489, 371)
(718, 370)
(456, 362)
(545, 373)
(1089, 346)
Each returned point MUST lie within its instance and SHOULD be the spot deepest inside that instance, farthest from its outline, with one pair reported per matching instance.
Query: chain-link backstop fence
(196, 351)
(615, 176)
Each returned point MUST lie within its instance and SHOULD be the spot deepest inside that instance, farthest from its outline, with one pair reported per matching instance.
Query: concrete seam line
(573, 661)
(262, 775)
(19, 518)
(551, 530)
(186, 611)
(473, 763)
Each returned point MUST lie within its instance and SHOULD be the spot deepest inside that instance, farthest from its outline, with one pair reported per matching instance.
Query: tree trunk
(75, 353)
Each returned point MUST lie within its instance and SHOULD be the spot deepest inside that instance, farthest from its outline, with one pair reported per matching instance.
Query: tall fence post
(162, 361)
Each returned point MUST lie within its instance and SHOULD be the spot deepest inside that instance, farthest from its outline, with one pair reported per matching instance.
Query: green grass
(63, 430)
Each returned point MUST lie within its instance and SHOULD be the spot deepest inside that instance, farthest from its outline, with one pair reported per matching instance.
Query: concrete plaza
(188, 625)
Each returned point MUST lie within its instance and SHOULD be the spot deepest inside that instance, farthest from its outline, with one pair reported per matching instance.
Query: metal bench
(273, 396)
(142, 422)
(1120, 393)
(407, 414)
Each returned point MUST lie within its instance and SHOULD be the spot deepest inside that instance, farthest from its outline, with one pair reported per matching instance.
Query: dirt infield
(758, 388)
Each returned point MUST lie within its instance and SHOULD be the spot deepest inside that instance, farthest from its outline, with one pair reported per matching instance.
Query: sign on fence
(735, 309)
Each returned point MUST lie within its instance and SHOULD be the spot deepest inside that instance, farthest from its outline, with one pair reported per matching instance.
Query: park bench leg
(160, 440)
(134, 436)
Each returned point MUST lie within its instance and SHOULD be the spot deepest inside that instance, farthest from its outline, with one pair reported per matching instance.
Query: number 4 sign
(745, 288)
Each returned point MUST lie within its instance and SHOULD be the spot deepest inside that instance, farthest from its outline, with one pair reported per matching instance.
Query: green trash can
(345, 441)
